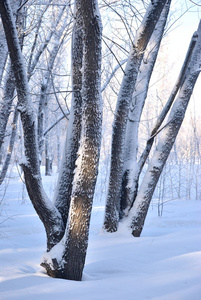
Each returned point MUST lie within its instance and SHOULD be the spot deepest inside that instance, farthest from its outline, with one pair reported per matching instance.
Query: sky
(182, 31)
(179, 39)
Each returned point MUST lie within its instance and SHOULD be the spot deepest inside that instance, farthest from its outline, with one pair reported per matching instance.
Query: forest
(99, 115)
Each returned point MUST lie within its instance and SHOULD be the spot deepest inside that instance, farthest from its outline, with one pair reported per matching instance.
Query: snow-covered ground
(163, 264)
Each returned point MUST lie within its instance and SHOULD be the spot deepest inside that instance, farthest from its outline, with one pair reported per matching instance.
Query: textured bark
(89, 150)
(66, 174)
(132, 169)
(169, 134)
(120, 120)
(86, 169)
(6, 104)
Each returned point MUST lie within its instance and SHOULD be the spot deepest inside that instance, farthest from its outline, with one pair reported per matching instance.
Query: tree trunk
(142, 38)
(131, 168)
(165, 144)
(6, 104)
(66, 174)
(76, 238)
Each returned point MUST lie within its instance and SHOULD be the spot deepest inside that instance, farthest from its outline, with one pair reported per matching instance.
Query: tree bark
(66, 174)
(131, 167)
(77, 231)
(142, 38)
(169, 134)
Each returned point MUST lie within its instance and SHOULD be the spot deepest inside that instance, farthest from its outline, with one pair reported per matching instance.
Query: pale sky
(179, 40)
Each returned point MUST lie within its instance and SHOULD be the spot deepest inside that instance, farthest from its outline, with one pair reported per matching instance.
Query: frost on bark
(66, 174)
(89, 149)
(132, 168)
(142, 38)
(76, 237)
(169, 133)
(6, 103)
(71, 235)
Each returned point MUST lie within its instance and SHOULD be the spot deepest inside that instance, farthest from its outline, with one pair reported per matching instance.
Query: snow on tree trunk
(66, 174)
(30, 164)
(90, 141)
(167, 106)
(131, 169)
(139, 211)
(77, 231)
(6, 103)
(141, 40)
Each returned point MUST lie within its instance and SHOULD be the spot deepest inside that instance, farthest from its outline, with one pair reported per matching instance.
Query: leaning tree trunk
(131, 167)
(139, 211)
(142, 38)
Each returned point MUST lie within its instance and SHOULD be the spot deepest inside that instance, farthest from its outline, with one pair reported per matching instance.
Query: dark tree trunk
(76, 239)
(89, 151)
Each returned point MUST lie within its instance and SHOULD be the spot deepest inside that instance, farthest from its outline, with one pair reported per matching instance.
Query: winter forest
(100, 154)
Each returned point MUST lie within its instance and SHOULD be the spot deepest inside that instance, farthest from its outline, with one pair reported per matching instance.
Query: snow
(164, 263)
